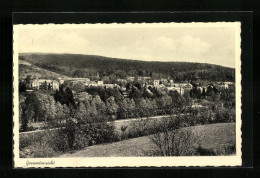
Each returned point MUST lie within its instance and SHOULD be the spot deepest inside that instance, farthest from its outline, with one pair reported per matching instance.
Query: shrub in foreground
(74, 136)
(38, 145)
(171, 142)
(226, 150)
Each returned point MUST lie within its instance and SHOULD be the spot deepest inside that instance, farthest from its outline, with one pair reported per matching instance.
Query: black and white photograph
(129, 94)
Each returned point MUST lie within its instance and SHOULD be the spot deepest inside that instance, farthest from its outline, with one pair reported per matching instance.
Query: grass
(25, 68)
(214, 138)
(37, 144)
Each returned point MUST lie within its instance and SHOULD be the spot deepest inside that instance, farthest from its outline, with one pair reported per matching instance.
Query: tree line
(95, 103)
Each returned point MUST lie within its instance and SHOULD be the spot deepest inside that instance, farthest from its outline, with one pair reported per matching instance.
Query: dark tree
(31, 110)
(138, 85)
(135, 94)
(45, 86)
(203, 94)
(49, 87)
(22, 87)
(195, 93)
(128, 86)
(28, 79)
(69, 97)
(65, 97)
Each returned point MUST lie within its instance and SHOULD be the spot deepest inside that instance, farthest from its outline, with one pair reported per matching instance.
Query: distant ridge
(70, 64)
(88, 55)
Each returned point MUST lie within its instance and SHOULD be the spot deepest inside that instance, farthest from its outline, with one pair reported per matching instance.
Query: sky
(214, 45)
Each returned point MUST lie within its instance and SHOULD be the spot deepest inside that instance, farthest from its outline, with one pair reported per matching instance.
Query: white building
(100, 82)
(171, 82)
(92, 84)
(39, 83)
(111, 86)
(223, 86)
(130, 78)
(74, 80)
(156, 82)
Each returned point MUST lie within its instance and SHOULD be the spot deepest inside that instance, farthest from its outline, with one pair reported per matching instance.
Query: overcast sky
(215, 45)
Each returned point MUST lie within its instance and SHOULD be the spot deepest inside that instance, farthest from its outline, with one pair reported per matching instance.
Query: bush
(139, 128)
(38, 145)
(223, 150)
(225, 115)
(74, 136)
(38, 150)
(81, 135)
(70, 129)
(100, 133)
(60, 141)
(172, 142)
(123, 130)
(204, 118)
(205, 151)
(29, 139)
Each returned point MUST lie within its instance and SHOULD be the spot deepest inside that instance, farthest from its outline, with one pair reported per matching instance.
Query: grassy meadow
(26, 68)
(212, 139)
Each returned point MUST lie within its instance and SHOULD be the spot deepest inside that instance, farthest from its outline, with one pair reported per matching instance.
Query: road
(134, 119)
(117, 123)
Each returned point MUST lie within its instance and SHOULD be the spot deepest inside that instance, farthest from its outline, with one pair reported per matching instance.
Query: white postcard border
(186, 161)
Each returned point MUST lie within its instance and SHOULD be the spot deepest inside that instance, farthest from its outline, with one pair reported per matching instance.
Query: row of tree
(40, 106)
(93, 102)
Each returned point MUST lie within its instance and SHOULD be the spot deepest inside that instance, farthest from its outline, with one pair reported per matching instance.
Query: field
(26, 68)
(213, 138)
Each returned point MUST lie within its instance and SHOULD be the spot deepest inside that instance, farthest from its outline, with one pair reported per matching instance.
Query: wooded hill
(76, 65)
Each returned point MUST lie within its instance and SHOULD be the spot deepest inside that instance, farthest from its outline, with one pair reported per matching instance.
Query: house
(231, 86)
(143, 78)
(92, 84)
(100, 82)
(187, 86)
(229, 83)
(121, 80)
(61, 81)
(74, 80)
(200, 89)
(83, 80)
(156, 82)
(171, 82)
(111, 86)
(164, 81)
(160, 86)
(182, 84)
(204, 88)
(222, 86)
(124, 92)
(40, 83)
(95, 84)
(130, 78)
(35, 84)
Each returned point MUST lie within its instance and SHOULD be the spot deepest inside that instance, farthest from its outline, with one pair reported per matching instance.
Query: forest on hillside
(99, 67)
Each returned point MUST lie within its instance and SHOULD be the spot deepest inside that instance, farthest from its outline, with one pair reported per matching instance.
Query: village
(146, 82)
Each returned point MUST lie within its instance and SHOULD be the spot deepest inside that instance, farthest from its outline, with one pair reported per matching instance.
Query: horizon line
(122, 58)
